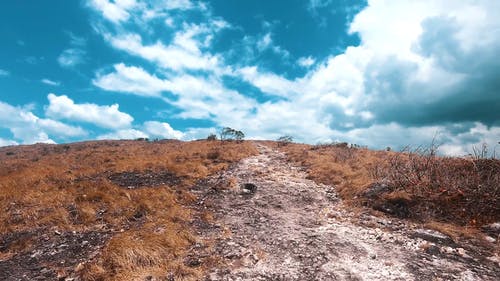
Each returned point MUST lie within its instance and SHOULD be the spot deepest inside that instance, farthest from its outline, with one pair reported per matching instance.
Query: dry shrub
(421, 185)
(458, 190)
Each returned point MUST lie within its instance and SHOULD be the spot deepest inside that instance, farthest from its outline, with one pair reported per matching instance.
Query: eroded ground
(271, 223)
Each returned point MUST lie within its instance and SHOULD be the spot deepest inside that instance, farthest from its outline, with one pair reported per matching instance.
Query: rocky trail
(271, 223)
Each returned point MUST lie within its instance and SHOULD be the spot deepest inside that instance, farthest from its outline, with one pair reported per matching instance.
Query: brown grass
(348, 169)
(66, 187)
(459, 191)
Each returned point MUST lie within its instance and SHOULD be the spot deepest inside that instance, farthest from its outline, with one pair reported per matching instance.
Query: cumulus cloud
(161, 130)
(130, 79)
(184, 53)
(267, 82)
(420, 67)
(4, 142)
(62, 107)
(150, 129)
(197, 97)
(29, 128)
(125, 134)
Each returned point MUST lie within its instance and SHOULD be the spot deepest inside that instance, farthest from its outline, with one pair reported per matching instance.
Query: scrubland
(95, 187)
(133, 199)
(443, 192)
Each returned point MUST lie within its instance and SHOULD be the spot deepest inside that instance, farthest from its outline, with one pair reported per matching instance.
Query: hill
(207, 210)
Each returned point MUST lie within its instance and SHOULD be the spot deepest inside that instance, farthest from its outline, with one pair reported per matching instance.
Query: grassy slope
(431, 189)
(66, 187)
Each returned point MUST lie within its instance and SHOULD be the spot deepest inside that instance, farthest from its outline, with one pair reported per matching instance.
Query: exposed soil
(271, 223)
(48, 255)
(133, 179)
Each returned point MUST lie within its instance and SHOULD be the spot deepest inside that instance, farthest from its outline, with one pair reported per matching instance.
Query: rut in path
(290, 228)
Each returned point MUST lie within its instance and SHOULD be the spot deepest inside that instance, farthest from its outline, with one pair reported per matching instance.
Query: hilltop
(249, 210)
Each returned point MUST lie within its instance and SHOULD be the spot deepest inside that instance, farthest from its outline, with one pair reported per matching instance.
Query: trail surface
(271, 223)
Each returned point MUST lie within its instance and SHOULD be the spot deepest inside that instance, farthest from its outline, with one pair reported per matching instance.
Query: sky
(377, 73)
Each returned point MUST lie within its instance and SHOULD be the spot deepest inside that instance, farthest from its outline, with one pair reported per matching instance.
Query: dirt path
(290, 228)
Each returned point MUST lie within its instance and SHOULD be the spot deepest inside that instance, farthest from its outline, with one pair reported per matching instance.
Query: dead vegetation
(133, 192)
(413, 184)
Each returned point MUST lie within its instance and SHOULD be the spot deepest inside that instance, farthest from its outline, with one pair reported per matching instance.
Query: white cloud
(29, 128)
(306, 61)
(4, 142)
(71, 57)
(116, 11)
(265, 42)
(50, 82)
(74, 55)
(178, 4)
(120, 11)
(197, 97)
(449, 142)
(162, 130)
(125, 134)
(404, 66)
(183, 54)
(4, 72)
(130, 79)
(315, 4)
(150, 129)
(60, 129)
(269, 83)
(198, 133)
(413, 57)
(200, 98)
(62, 107)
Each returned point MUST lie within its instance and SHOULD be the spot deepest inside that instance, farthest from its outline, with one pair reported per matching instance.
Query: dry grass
(464, 191)
(458, 191)
(66, 187)
(349, 169)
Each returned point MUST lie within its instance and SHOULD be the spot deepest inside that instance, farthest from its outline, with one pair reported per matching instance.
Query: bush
(460, 190)
(212, 137)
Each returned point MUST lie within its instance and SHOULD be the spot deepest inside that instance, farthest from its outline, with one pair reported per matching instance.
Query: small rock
(492, 229)
(432, 236)
(461, 252)
(249, 188)
(490, 239)
(192, 262)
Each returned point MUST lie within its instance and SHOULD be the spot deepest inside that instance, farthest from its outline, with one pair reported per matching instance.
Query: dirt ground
(271, 223)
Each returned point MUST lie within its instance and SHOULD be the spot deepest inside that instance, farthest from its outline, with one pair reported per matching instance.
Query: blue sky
(377, 73)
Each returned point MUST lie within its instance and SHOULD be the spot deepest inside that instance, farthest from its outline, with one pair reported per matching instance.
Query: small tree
(228, 133)
(239, 135)
(284, 140)
(212, 137)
